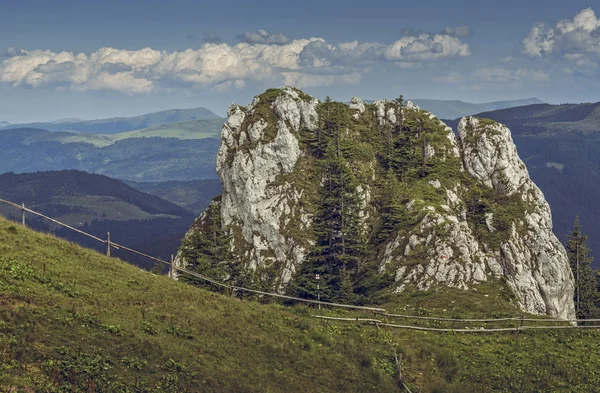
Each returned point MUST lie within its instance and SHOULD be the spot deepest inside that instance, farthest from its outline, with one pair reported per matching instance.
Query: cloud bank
(260, 57)
(576, 41)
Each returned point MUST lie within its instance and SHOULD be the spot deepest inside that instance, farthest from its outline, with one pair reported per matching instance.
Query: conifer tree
(340, 242)
(393, 211)
(586, 297)
(208, 253)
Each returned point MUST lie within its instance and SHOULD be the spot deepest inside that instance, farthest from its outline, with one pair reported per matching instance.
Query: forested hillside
(140, 159)
(194, 195)
(98, 204)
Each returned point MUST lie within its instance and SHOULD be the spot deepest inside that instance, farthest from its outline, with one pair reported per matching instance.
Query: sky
(96, 59)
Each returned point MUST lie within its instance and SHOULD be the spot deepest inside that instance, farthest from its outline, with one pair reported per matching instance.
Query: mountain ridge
(452, 109)
(123, 124)
(46, 191)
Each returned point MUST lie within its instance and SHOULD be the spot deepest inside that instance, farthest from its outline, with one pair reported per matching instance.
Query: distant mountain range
(150, 159)
(120, 124)
(190, 129)
(452, 109)
(560, 145)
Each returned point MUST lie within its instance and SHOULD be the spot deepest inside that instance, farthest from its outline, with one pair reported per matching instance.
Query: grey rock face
(251, 202)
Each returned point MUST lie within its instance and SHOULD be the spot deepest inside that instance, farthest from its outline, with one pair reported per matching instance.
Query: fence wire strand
(375, 310)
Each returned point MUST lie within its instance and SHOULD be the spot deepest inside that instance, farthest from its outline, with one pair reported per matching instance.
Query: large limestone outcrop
(474, 213)
(248, 163)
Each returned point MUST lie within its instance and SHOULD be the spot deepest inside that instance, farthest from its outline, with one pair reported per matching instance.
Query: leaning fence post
(108, 244)
(171, 268)
(23, 213)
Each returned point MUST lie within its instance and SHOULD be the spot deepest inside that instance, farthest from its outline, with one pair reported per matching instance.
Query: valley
(98, 204)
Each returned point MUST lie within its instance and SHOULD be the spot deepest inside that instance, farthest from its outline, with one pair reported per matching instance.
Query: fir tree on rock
(587, 297)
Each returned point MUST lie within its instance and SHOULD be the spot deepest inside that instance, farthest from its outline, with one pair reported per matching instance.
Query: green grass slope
(92, 324)
(192, 129)
(93, 321)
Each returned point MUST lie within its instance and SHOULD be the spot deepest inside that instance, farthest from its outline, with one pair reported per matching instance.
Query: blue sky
(94, 59)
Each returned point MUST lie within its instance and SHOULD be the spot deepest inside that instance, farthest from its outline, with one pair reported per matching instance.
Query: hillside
(452, 109)
(72, 319)
(193, 195)
(190, 129)
(122, 124)
(98, 204)
(139, 159)
(90, 319)
(560, 144)
(75, 197)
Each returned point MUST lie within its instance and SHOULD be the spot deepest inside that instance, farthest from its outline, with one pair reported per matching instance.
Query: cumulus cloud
(458, 31)
(220, 66)
(426, 47)
(318, 53)
(10, 52)
(576, 40)
(261, 36)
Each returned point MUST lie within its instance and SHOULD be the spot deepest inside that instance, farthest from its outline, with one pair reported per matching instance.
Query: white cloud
(261, 36)
(578, 37)
(426, 47)
(219, 66)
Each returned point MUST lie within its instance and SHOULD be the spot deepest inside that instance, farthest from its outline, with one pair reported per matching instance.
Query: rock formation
(428, 208)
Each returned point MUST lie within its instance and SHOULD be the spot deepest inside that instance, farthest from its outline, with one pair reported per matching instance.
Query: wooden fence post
(108, 244)
(171, 268)
(23, 213)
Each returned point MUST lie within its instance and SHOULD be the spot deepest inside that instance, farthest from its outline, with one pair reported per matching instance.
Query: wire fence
(571, 323)
(173, 268)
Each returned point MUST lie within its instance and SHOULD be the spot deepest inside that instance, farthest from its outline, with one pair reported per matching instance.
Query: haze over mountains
(452, 109)
(121, 124)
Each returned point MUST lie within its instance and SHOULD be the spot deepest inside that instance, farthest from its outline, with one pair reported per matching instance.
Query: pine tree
(587, 298)
(393, 211)
(208, 253)
(340, 242)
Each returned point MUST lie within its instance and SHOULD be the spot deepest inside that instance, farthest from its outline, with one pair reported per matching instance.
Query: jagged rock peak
(381, 193)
